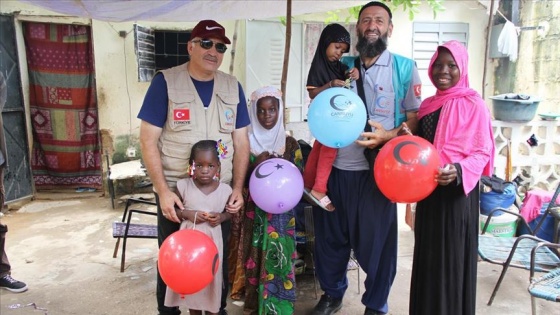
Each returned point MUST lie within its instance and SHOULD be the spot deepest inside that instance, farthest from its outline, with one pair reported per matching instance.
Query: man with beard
(364, 219)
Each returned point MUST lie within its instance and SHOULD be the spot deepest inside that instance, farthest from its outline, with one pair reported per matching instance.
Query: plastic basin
(514, 110)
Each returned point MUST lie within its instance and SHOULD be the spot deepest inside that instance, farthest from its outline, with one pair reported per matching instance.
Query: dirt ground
(61, 245)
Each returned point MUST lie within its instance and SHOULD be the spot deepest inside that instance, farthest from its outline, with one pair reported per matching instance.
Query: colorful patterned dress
(269, 249)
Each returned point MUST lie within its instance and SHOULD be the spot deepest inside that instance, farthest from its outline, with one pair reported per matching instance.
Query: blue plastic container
(514, 110)
(546, 232)
(492, 200)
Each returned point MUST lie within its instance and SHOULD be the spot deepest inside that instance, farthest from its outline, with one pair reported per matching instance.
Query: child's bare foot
(323, 199)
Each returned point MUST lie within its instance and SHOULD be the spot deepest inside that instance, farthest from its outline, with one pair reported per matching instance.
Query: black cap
(376, 4)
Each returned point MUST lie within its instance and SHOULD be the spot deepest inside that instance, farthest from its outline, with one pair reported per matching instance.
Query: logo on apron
(229, 117)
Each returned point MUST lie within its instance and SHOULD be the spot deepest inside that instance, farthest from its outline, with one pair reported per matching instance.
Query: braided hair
(204, 145)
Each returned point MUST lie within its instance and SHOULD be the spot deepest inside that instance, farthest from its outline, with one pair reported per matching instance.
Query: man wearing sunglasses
(184, 104)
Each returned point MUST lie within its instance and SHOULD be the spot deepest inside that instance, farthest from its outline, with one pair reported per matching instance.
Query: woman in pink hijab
(457, 121)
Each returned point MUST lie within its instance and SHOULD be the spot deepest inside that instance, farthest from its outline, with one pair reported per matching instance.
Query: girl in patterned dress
(269, 246)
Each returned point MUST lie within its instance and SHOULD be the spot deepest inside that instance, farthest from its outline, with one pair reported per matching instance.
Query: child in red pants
(326, 71)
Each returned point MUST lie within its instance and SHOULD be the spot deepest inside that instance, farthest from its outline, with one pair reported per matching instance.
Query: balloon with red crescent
(397, 152)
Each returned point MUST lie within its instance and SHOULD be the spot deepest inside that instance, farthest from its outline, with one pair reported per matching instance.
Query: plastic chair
(546, 286)
(125, 229)
(516, 251)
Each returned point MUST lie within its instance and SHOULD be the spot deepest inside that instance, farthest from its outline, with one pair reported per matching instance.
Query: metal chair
(125, 229)
(546, 286)
(516, 251)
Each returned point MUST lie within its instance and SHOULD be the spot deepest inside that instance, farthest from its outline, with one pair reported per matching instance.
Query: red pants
(318, 167)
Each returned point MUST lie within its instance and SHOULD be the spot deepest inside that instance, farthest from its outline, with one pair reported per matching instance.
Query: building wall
(120, 95)
(538, 67)
(536, 72)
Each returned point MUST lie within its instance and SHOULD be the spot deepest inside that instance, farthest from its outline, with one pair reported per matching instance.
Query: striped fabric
(63, 106)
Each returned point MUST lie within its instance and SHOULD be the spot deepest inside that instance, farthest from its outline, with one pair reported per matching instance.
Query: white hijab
(261, 139)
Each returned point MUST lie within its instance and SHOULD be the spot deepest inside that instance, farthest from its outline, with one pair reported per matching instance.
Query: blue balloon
(337, 117)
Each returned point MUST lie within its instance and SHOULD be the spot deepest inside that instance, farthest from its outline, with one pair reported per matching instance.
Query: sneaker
(11, 284)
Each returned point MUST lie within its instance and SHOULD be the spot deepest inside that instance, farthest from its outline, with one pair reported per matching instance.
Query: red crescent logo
(417, 89)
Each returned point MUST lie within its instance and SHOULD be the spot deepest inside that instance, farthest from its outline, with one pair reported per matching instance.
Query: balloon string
(195, 214)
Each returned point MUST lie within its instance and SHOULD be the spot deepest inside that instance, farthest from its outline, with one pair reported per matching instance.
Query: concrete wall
(538, 67)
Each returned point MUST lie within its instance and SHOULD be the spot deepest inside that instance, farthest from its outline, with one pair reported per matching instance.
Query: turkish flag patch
(181, 114)
(417, 90)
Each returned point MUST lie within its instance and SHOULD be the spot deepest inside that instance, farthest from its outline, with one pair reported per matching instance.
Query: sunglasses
(207, 44)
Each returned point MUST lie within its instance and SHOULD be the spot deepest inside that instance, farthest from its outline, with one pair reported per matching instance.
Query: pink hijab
(464, 131)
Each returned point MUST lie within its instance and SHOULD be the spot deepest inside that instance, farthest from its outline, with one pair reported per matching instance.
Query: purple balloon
(276, 186)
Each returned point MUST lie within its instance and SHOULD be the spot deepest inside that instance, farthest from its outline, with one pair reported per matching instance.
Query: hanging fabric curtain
(63, 106)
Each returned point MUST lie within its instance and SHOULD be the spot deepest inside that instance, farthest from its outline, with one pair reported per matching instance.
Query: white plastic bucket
(501, 226)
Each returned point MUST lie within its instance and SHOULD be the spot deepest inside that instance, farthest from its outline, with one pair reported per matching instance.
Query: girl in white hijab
(258, 236)
(267, 138)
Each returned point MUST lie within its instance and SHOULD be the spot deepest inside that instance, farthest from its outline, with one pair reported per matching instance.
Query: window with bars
(171, 48)
(159, 49)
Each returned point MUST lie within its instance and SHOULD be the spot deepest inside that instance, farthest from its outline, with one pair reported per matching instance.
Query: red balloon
(405, 167)
(187, 261)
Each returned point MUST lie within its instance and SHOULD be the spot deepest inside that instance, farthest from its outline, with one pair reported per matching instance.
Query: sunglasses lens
(221, 48)
(206, 43)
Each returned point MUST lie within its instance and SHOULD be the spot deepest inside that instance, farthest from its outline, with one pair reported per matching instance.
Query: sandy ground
(61, 245)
